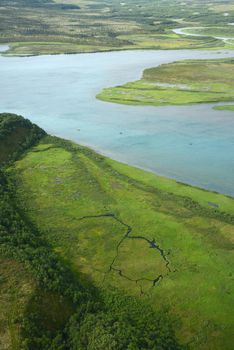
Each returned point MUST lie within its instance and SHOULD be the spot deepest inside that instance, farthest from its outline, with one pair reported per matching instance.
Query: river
(193, 144)
(182, 31)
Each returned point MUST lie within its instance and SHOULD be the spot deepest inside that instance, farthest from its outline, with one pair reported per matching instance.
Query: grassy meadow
(183, 82)
(43, 304)
(120, 227)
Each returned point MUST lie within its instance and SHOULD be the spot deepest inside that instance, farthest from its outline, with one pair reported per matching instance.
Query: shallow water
(193, 144)
(4, 47)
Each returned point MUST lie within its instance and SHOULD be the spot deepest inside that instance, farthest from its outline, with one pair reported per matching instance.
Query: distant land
(74, 26)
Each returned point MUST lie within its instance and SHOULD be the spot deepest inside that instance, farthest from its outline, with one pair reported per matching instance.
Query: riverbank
(168, 41)
(58, 93)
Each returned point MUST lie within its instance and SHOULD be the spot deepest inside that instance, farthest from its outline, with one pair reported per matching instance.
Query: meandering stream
(193, 144)
(182, 31)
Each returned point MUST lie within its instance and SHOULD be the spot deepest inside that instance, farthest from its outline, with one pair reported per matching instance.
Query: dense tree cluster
(9, 122)
(16, 136)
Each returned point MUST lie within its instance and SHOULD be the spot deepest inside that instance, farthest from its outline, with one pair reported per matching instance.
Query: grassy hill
(46, 302)
(158, 245)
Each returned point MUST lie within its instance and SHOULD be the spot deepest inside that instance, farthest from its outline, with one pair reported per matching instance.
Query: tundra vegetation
(183, 82)
(96, 254)
(45, 302)
(73, 26)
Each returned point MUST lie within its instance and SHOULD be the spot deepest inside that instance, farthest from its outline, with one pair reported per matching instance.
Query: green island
(96, 254)
(179, 83)
(34, 27)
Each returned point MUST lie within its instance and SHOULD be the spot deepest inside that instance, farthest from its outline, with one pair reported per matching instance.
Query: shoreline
(134, 163)
(160, 176)
(228, 102)
(161, 85)
(5, 54)
(178, 31)
(112, 50)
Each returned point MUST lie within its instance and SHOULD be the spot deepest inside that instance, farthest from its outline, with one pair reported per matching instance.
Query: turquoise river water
(193, 144)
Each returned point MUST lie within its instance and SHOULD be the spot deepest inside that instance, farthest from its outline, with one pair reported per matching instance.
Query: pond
(193, 144)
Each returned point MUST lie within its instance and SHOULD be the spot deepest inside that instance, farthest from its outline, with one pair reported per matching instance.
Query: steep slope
(24, 303)
(16, 135)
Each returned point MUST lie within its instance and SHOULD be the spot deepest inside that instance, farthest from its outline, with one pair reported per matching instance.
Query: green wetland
(180, 83)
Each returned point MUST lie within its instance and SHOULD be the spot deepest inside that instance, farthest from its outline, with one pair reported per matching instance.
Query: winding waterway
(183, 31)
(193, 144)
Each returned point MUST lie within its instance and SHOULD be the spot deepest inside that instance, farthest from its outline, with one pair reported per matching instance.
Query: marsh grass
(184, 82)
(72, 193)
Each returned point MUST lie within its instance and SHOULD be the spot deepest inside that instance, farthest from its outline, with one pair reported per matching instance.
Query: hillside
(24, 303)
(16, 135)
(83, 226)
(44, 302)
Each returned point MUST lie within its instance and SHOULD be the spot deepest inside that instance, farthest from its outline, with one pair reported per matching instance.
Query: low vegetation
(227, 31)
(183, 82)
(74, 26)
(224, 108)
(84, 225)
(45, 303)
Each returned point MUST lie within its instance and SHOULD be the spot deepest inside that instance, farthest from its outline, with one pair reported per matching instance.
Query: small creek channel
(128, 235)
(182, 31)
